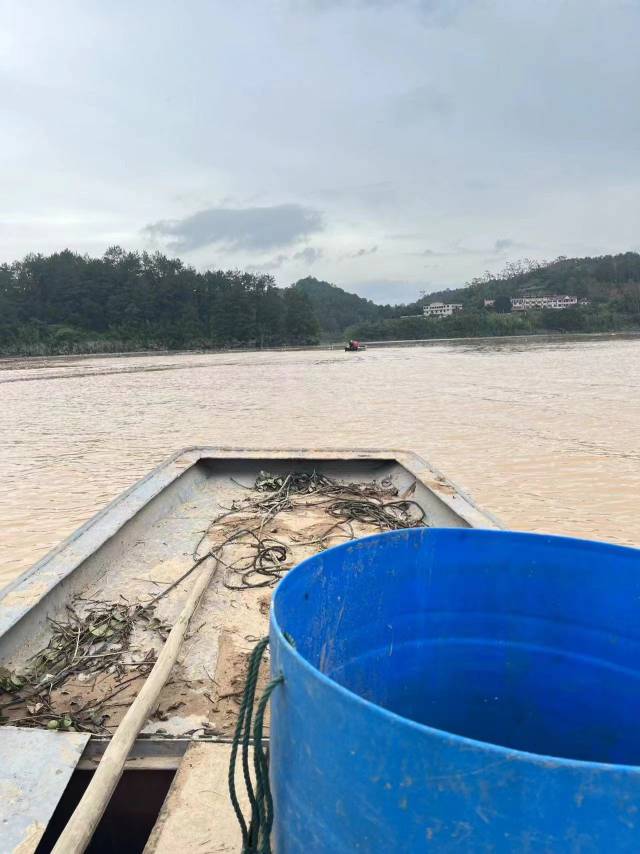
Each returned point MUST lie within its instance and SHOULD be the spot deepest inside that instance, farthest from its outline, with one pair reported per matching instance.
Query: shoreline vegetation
(132, 303)
(541, 337)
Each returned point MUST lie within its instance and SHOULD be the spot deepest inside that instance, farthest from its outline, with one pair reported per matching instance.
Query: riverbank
(543, 338)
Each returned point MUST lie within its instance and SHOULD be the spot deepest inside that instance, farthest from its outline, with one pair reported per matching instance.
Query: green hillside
(611, 283)
(609, 277)
(337, 309)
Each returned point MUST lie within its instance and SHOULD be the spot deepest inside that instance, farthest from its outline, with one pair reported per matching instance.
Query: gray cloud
(310, 254)
(267, 266)
(440, 130)
(500, 246)
(253, 229)
(454, 251)
(505, 244)
(361, 253)
(432, 253)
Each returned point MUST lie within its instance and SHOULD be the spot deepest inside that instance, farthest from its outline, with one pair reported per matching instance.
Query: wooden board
(197, 814)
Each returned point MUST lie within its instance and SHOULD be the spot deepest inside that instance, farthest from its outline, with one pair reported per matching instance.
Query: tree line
(71, 303)
(66, 302)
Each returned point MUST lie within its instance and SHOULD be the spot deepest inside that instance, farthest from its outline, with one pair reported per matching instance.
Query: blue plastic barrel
(458, 690)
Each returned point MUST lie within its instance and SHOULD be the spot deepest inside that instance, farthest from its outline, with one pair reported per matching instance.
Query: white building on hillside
(441, 309)
(553, 301)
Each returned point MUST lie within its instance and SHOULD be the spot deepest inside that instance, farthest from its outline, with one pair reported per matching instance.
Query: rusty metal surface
(35, 767)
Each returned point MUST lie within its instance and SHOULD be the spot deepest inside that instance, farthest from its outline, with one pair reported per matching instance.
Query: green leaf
(98, 631)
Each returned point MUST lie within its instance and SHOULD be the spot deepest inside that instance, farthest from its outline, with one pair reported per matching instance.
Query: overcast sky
(389, 146)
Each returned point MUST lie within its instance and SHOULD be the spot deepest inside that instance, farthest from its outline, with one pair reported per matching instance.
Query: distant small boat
(354, 347)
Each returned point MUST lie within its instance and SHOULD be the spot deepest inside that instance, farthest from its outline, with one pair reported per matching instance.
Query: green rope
(256, 836)
(261, 765)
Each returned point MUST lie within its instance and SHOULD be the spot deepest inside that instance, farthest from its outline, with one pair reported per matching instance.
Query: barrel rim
(548, 761)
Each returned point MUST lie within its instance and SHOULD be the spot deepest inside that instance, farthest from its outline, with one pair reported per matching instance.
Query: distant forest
(132, 301)
(70, 303)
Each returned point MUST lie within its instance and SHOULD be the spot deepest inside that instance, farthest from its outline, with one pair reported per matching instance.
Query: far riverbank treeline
(67, 303)
(125, 301)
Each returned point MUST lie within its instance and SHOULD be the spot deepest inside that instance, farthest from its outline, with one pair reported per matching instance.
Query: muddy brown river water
(546, 435)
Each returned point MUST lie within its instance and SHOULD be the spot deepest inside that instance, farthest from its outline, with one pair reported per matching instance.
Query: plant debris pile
(252, 522)
(82, 649)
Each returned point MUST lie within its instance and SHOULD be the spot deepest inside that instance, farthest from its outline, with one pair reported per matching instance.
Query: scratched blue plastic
(458, 690)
